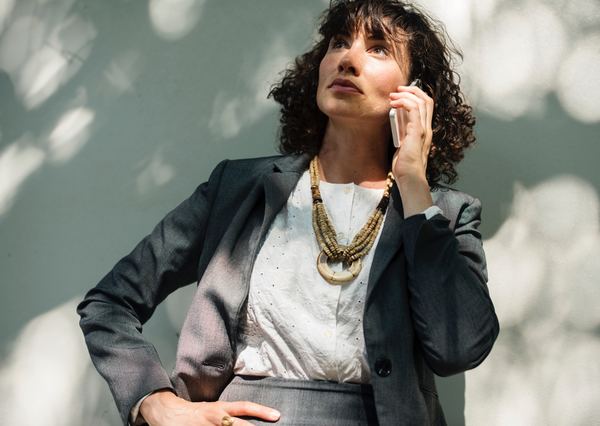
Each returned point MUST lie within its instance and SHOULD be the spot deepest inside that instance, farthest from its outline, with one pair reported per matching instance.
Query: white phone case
(397, 123)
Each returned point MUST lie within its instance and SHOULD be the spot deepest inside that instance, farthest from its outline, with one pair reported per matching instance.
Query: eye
(380, 50)
(337, 43)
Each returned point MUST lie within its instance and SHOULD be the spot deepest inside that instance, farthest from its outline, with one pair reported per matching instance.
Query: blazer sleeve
(452, 312)
(113, 312)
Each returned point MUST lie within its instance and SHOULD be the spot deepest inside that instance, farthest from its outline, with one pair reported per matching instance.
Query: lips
(345, 85)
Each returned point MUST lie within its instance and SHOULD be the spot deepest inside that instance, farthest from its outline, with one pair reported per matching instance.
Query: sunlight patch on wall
(232, 112)
(579, 80)
(582, 14)
(483, 9)
(42, 47)
(516, 54)
(14, 44)
(41, 76)
(41, 53)
(122, 71)
(47, 377)
(70, 134)
(54, 64)
(17, 162)
(21, 158)
(454, 16)
(574, 397)
(544, 269)
(516, 59)
(6, 8)
(155, 173)
(174, 19)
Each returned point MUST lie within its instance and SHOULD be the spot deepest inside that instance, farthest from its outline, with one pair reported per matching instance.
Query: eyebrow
(378, 36)
(374, 38)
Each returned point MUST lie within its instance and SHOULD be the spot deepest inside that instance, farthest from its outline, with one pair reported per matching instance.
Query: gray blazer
(427, 310)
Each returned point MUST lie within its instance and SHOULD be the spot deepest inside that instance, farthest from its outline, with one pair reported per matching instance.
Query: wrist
(153, 404)
(412, 182)
(415, 194)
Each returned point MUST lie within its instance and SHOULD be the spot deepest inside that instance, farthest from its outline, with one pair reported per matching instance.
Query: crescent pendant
(337, 277)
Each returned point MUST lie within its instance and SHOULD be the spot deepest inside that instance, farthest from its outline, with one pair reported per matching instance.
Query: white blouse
(296, 324)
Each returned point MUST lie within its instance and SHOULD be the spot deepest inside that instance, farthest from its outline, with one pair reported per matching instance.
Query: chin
(340, 109)
(357, 114)
(343, 107)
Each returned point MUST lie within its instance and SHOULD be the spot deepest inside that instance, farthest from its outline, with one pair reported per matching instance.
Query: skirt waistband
(306, 402)
(316, 385)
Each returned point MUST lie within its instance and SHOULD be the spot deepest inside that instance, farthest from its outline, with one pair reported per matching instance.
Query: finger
(426, 150)
(428, 119)
(417, 91)
(429, 116)
(217, 417)
(429, 130)
(240, 422)
(422, 104)
(414, 116)
(247, 408)
(425, 158)
(414, 89)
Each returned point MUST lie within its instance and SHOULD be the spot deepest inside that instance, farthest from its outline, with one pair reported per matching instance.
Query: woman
(335, 280)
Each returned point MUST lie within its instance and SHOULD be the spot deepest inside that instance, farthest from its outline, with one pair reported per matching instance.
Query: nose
(351, 62)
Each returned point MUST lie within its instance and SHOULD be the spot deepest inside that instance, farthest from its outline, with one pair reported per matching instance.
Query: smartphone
(399, 120)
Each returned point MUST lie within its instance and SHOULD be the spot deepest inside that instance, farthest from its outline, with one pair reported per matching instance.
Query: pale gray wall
(112, 112)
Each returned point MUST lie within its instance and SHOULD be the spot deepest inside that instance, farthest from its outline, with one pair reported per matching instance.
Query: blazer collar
(292, 163)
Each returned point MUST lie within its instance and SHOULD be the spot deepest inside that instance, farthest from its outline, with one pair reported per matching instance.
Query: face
(356, 76)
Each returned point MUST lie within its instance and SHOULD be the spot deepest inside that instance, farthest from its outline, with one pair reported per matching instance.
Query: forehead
(376, 19)
(377, 26)
(375, 29)
(372, 27)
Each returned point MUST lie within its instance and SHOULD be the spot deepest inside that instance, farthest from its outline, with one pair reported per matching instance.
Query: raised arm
(453, 315)
(452, 312)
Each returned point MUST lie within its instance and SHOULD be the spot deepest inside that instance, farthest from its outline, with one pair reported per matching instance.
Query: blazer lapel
(279, 184)
(389, 241)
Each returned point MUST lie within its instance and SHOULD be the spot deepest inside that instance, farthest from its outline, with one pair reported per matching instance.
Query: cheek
(387, 79)
(325, 68)
(321, 86)
(392, 86)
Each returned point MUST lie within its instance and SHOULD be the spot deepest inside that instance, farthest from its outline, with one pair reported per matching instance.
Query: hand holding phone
(399, 120)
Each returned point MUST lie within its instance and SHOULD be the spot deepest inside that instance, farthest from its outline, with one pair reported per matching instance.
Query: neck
(357, 154)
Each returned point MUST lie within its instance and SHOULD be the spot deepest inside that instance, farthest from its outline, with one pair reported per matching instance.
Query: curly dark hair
(431, 58)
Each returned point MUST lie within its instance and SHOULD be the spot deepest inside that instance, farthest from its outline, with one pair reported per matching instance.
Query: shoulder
(238, 172)
(238, 176)
(252, 167)
(456, 205)
(448, 195)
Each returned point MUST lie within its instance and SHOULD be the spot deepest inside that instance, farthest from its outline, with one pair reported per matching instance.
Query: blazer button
(383, 367)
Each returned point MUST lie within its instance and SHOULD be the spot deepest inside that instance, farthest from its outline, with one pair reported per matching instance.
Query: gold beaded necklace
(362, 242)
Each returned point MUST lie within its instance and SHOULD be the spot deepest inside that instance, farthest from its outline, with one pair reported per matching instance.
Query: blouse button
(383, 367)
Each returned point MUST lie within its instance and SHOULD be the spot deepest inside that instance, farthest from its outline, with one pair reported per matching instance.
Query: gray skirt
(306, 402)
